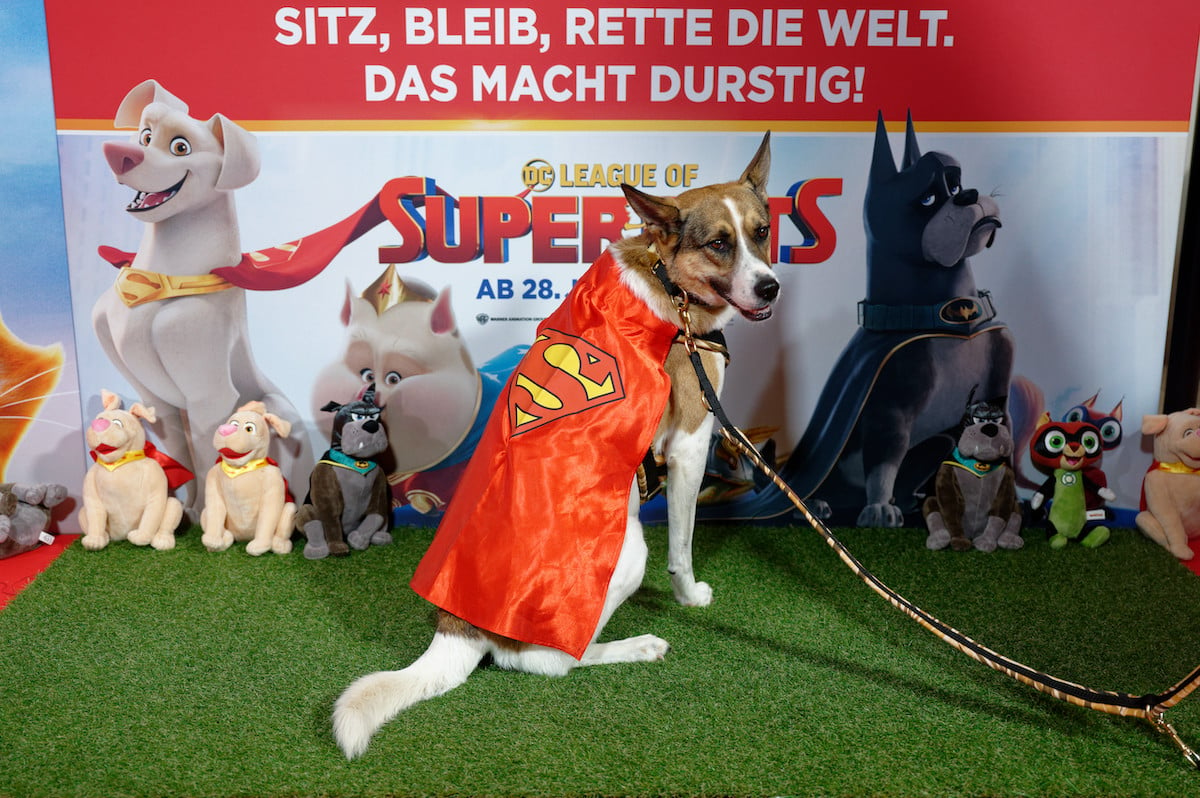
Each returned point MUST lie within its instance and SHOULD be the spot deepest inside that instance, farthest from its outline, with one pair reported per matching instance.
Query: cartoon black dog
(348, 504)
(886, 416)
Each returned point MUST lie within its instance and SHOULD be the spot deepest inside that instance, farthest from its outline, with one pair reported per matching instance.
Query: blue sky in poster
(35, 299)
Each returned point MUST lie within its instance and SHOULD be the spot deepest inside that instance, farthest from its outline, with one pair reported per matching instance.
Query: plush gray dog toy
(348, 504)
(975, 495)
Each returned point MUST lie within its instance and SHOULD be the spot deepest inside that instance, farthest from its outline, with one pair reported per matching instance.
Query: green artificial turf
(130, 672)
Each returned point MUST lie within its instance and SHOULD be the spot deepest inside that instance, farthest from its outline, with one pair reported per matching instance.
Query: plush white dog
(246, 496)
(126, 493)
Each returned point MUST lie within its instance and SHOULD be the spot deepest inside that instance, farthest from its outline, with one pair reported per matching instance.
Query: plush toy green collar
(337, 458)
(979, 468)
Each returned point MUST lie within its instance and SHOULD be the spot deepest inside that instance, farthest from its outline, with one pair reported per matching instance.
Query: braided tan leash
(1150, 707)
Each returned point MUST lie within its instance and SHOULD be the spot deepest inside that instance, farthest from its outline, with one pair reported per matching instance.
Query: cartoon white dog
(177, 332)
(401, 335)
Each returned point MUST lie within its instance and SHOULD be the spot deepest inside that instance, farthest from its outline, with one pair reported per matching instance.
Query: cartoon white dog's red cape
(298, 261)
(530, 540)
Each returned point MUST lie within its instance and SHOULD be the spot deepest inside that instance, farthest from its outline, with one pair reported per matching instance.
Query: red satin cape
(531, 536)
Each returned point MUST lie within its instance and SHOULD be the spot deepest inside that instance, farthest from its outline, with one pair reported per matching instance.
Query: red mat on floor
(17, 572)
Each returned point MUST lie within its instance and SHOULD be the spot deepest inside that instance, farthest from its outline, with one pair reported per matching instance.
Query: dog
(402, 337)
(126, 493)
(975, 492)
(175, 331)
(541, 543)
(1170, 511)
(348, 505)
(246, 498)
(886, 417)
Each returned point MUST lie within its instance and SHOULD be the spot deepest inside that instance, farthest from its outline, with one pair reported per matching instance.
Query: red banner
(1102, 65)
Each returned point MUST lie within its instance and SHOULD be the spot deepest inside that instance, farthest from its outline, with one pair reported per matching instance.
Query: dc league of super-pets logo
(573, 228)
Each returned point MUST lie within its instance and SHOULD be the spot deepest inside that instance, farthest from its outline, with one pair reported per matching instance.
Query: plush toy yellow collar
(236, 471)
(1176, 468)
(128, 457)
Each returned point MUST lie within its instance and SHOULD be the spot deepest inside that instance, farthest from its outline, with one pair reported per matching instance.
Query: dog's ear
(139, 410)
(1153, 424)
(129, 113)
(441, 322)
(241, 162)
(254, 406)
(109, 400)
(883, 165)
(657, 212)
(331, 407)
(912, 152)
(282, 426)
(756, 173)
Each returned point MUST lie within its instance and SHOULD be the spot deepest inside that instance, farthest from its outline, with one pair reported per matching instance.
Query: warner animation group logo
(576, 227)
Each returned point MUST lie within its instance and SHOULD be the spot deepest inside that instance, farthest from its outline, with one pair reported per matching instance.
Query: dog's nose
(225, 430)
(122, 156)
(767, 289)
(371, 426)
(968, 196)
(990, 430)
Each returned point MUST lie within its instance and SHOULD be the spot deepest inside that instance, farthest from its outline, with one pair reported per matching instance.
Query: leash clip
(1156, 716)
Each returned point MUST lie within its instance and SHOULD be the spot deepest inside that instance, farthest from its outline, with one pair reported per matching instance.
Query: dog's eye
(954, 190)
(144, 137)
(180, 146)
(928, 199)
(250, 428)
(762, 233)
(718, 245)
(393, 378)
(367, 376)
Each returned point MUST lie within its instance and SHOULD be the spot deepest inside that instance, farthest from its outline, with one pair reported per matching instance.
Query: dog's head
(1176, 436)
(985, 436)
(357, 429)
(402, 337)
(114, 431)
(921, 213)
(715, 240)
(174, 162)
(246, 435)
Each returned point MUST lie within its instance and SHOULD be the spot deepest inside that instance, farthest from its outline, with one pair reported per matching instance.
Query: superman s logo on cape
(560, 376)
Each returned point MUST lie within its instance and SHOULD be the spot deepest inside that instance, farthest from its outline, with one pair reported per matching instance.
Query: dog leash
(1151, 707)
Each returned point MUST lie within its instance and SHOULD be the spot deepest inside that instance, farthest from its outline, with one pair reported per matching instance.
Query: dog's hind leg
(376, 698)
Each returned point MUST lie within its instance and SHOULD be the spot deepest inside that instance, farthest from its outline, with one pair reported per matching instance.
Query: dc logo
(537, 175)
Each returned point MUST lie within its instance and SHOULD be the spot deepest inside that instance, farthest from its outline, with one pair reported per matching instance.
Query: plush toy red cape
(530, 539)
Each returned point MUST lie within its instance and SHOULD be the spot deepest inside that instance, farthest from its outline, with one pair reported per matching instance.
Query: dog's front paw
(691, 593)
(94, 542)
(880, 514)
(217, 541)
(257, 547)
(163, 541)
(140, 538)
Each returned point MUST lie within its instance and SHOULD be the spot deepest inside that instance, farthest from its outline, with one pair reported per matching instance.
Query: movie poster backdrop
(488, 145)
